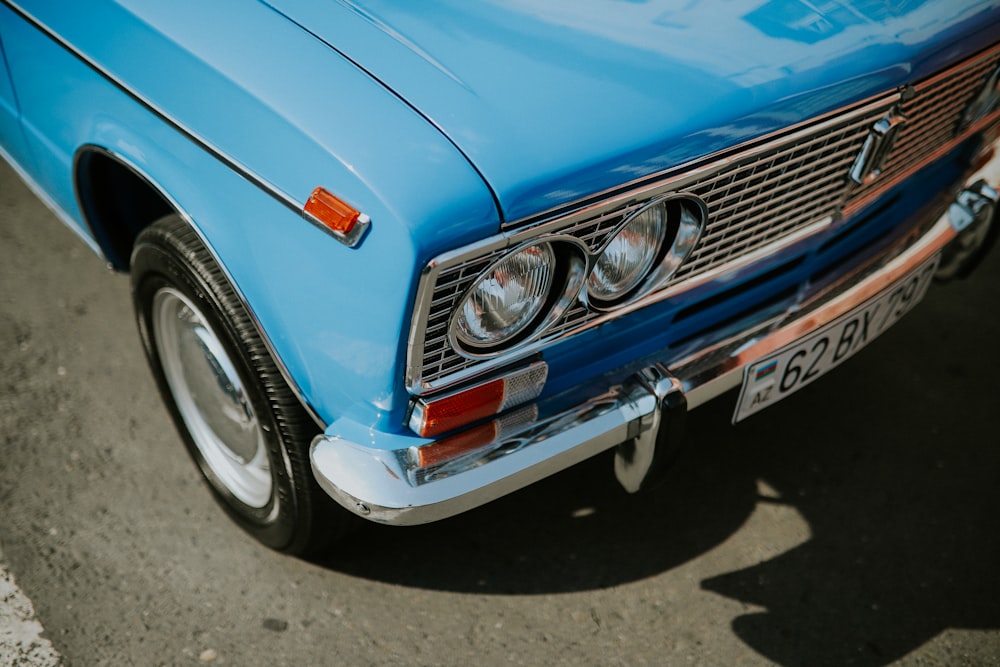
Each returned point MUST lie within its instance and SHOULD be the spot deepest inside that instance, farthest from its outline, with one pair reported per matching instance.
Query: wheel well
(117, 203)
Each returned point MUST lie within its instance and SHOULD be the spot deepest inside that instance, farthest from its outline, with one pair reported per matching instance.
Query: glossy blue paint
(558, 100)
(238, 120)
(299, 128)
(11, 138)
(442, 120)
(225, 81)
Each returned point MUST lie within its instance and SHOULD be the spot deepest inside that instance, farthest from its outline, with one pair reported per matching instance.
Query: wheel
(244, 427)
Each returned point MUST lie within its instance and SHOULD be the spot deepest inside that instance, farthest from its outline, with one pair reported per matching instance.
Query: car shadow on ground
(898, 480)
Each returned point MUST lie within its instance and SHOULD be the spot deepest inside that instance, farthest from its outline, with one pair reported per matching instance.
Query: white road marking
(21, 641)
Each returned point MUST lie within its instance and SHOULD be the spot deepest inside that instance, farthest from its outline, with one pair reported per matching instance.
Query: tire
(244, 427)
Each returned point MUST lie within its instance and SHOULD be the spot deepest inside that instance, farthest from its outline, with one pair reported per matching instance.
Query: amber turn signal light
(332, 211)
(346, 222)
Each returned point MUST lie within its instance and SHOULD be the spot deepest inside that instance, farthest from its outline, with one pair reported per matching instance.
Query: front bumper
(383, 480)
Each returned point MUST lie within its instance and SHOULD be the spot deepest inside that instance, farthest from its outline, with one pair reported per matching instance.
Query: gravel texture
(853, 524)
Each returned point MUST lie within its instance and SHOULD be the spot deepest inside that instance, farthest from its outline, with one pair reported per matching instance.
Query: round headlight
(629, 255)
(507, 298)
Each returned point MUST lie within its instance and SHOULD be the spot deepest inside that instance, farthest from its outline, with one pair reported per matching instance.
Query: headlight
(630, 255)
(647, 250)
(507, 298)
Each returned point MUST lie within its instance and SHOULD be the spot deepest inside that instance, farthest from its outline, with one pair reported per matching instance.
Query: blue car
(394, 260)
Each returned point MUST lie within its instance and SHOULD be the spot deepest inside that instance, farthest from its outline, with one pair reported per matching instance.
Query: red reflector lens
(453, 447)
(432, 417)
(463, 408)
(331, 211)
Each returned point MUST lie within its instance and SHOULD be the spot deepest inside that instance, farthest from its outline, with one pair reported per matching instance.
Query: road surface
(855, 523)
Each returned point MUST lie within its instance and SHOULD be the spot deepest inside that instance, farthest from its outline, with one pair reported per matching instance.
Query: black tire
(211, 364)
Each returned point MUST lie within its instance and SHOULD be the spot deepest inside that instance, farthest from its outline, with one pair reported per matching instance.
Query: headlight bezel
(685, 218)
(651, 253)
(571, 264)
(435, 360)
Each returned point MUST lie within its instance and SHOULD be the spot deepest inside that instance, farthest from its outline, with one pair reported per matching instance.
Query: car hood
(556, 101)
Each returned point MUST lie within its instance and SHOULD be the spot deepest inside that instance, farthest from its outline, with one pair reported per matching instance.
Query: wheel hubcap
(211, 399)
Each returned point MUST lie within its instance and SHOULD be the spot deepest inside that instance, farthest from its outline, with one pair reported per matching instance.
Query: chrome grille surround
(761, 196)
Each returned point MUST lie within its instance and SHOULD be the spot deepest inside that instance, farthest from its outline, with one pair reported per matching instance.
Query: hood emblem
(868, 165)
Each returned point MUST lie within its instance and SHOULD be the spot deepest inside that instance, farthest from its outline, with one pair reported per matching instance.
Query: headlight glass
(507, 298)
(629, 256)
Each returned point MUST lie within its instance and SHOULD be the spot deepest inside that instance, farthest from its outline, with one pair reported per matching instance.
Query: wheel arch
(117, 200)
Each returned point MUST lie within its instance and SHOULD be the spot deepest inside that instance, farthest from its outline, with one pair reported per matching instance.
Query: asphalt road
(856, 523)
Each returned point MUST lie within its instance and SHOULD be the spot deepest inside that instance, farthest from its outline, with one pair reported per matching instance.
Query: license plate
(768, 380)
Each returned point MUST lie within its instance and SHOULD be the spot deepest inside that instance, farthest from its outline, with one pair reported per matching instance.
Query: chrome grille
(933, 115)
(758, 199)
(439, 358)
(765, 197)
(756, 196)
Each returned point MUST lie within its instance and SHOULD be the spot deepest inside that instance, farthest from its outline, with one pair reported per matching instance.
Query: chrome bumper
(381, 480)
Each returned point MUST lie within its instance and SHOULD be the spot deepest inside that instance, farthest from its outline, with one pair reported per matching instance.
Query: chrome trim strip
(243, 170)
(377, 480)
(948, 73)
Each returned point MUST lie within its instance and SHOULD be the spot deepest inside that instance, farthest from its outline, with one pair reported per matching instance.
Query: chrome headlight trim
(686, 216)
(505, 299)
(569, 271)
(628, 256)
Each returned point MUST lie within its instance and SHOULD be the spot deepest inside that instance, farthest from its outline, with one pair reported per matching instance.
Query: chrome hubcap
(211, 398)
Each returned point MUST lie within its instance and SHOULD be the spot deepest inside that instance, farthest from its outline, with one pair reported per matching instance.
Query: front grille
(933, 114)
(757, 196)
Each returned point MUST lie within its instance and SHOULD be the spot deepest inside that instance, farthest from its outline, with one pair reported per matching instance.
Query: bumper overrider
(388, 478)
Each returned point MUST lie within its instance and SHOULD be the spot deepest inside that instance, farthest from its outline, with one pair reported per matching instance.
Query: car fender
(334, 316)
